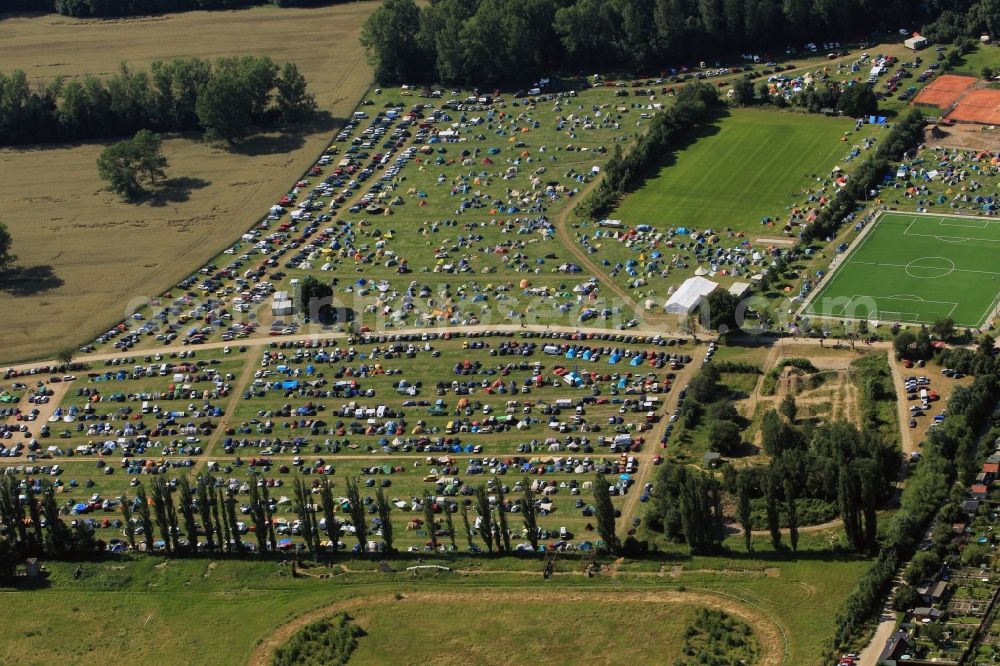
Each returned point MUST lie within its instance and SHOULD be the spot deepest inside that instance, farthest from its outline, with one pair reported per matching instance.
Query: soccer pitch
(917, 268)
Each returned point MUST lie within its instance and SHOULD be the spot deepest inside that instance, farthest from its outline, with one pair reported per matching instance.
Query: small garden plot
(916, 269)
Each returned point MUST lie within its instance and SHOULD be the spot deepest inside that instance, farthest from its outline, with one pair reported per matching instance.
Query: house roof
(991, 468)
(895, 647)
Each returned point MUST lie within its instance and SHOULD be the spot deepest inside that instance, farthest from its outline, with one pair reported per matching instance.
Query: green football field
(750, 165)
(918, 269)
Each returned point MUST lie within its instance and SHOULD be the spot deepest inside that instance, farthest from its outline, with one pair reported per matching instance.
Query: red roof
(979, 488)
(991, 468)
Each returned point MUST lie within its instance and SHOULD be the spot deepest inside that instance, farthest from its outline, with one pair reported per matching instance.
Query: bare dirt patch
(975, 137)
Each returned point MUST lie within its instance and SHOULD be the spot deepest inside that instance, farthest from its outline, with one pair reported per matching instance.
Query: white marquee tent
(689, 295)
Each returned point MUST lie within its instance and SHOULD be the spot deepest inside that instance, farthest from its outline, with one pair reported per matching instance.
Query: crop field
(86, 255)
(917, 269)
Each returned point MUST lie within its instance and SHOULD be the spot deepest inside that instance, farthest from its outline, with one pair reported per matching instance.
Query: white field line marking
(953, 270)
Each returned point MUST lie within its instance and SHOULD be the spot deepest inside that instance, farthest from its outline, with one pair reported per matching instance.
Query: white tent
(689, 295)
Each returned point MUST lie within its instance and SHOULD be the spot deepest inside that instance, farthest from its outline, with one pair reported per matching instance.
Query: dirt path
(768, 632)
(565, 236)
(804, 529)
(650, 449)
(244, 379)
(59, 390)
(902, 413)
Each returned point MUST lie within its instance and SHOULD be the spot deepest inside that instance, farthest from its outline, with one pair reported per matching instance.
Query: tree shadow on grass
(29, 281)
(272, 143)
(174, 190)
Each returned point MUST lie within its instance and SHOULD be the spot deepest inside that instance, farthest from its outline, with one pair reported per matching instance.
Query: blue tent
(571, 353)
(291, 384)
(636, 360)
(614, 358)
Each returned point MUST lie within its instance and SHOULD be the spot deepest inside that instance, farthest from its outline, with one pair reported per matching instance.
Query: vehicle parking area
(422, 414)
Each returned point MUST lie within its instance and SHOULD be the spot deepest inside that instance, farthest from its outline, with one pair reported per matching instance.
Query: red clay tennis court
(944, 90)
(978, 106)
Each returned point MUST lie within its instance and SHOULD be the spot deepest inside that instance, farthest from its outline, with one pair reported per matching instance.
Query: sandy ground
(976, 137)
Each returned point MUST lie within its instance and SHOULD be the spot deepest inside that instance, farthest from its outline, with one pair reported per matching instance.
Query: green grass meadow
(748, 166)
(917, 269)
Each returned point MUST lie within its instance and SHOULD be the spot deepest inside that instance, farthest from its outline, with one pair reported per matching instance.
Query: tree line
(227, 99)
(695, 104)
(952, 454)
(906, 135)
(477, 42)
(963, 18)
(112, 8)
(184, 518)
(854, 100)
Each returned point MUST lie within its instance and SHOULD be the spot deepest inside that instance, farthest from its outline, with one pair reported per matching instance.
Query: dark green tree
(604, 511)
(466, 525)
(791, 509)
(145, 520)
(529, 514)
(449, 523)
(118, 164)
(205, 510)
(485, 516)
(744, 509)
(384, 508)
(7, 258)
(187, 513)
(502, 517)
(150, 161)
(331, 524)
(357, 509)
(293, 101)
(771, 487)
(390, 37)
(788, 407)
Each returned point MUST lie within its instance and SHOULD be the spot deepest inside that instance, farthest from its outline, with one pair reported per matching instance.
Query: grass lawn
(747, 166)
(131, 608)
(917, 269)
(495, 632)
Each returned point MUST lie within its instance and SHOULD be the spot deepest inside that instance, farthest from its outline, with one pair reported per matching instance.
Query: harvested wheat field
(84, 254)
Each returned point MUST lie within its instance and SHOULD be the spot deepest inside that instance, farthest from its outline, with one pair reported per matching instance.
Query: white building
(740, 289)
(689, 295)
(281, 304)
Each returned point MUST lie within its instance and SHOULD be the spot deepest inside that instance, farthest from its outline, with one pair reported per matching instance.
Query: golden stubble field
(86, 255)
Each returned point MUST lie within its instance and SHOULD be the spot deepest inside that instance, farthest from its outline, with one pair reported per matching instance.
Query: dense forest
(226, 98)
(511, 41)
(101, 8)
